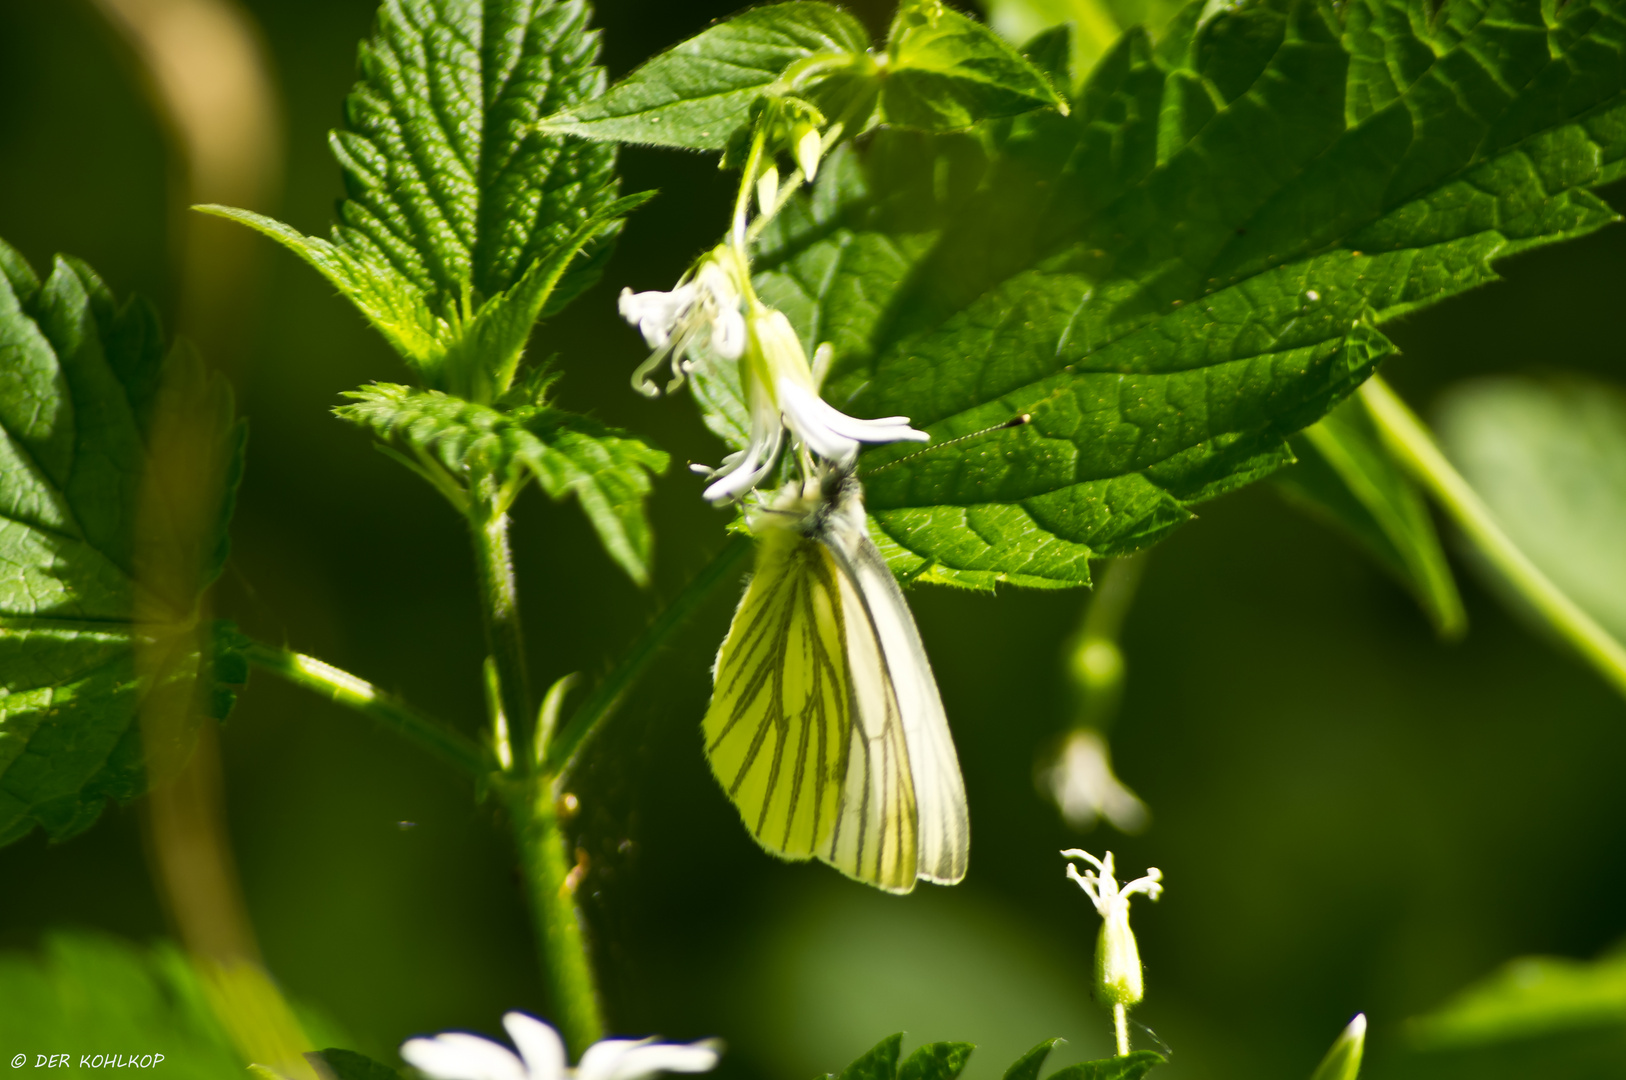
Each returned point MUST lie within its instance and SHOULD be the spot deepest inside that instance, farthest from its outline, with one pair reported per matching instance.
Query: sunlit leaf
(946, 72)
(605, 469)
(1190, 268)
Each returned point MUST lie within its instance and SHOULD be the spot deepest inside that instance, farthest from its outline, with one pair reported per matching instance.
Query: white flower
(1117, 958)
(454, 1055)
(782, 394)
(1084, 787)
(674, 323)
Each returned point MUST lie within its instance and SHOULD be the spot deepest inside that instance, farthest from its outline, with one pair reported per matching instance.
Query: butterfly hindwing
(942, 823)
(777, 731)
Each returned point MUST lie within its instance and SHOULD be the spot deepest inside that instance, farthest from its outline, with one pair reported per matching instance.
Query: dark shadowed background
(1350, 815)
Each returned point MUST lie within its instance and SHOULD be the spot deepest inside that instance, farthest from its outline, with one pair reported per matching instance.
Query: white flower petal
(657, 314)
(646, 1059)
(808, 149)
(538, 1044)
(728, 334)
(742, 472)
(831, 433)
(603, 1057)
(454, 1055)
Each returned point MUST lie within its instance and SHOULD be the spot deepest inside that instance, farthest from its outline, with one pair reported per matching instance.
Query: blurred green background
(1350, 814)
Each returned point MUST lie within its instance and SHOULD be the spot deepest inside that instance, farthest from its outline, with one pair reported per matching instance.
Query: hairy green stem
(613, 689)
(1415, 448)
(1120, 1027)
(561, 940)
(359, 694)
(505, 638)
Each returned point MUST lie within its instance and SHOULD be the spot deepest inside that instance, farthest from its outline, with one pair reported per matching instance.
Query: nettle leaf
(349, 1065)
(1190, 268)
(697, 94)
(1347, 476)
(1549, 459)
(456, 202)
(1527, 998)
(1130, 1067)
(118, 464)
(936, 1061)
(1028, 1065)
(606, 469)
(946, 72)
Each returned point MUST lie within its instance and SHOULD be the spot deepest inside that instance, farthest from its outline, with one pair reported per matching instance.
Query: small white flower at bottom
(456, 1055)
(674, 323)
(1118, 978)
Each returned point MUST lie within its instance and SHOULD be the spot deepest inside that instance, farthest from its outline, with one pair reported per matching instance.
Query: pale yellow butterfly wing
(777, 731)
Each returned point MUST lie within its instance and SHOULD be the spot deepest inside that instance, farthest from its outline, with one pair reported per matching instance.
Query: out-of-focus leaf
(1190, 268)
(1346, 475)
(947, 72)
(456, 200)
(349, 1065)
(698, 93)
(118, 464)
(1096, 24)
(607, 470)
(1130, 1067)
(1343, 1060)
(89, 995)
(1529, 997)
(1549, 459)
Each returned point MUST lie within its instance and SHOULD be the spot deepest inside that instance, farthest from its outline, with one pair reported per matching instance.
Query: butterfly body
(825, 726)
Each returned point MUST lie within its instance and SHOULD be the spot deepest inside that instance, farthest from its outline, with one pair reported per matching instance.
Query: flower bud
(809, 148)
(1343, 1061)
(1118, 980)
(768, 189)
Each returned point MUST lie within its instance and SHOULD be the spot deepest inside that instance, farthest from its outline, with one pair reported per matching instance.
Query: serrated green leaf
(1129, 1067)
(699, 93)
(455, 199)
(1346, 475)
(879, 1062)
(118, 465)
(936, 1061)
(1027, 1066)
(946, 72)
(1188, 270)
(606, 469)
(1549, 459)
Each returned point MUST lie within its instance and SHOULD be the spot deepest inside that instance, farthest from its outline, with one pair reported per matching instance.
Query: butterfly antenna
(1014, 422)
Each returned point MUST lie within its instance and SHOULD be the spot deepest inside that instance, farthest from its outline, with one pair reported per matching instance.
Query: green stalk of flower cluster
(1417, 451)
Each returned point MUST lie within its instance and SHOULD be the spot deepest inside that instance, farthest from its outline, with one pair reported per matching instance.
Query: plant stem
(560, 938)
(1421, 456)
(1120, 1025)
(359, 694)
(505, 637)
(610, 692)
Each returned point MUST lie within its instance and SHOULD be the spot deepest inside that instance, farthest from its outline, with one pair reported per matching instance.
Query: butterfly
(825, 725)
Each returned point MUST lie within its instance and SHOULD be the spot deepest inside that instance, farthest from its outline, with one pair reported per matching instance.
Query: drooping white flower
(1118, 977)
(782, 394)
(1084, 787)
(702, 309)
(456, 1055)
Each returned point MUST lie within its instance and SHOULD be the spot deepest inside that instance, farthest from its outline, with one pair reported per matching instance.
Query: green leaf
(118, 465)
(946, 72)
(880, 1062)
(456, 201)
(1191, 268)
(936, 1061)
(1343, 1060)
(1526, 998)
(1346, 475)
(1028, 1065)
(1130, 1067)
(606, 469)
(697, 94)
(90, 995)
(349, 1065)
(1549, 459)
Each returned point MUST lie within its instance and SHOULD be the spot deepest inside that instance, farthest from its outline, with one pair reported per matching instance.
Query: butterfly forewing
(777, 731)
